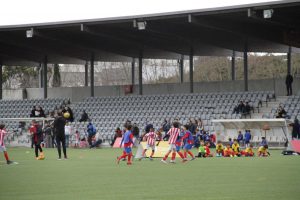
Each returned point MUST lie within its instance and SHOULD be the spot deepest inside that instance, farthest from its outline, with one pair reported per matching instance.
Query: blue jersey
(188, 138)
(127, 138)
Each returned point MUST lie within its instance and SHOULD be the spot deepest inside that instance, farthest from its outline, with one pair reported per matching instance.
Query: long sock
(144, 151)
(123, 155)
(36, 151)
(6, 156)
(166, 156)
(180, 154)
(129, 157)
(191, 154)
(173, 156)
(184, 154)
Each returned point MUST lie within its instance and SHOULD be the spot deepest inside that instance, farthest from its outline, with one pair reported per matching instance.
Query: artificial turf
(93, 174)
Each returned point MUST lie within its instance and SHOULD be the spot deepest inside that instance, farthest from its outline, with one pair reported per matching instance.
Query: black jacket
(59, 126)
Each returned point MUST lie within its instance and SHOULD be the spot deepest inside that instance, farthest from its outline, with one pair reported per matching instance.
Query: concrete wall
(78, 93)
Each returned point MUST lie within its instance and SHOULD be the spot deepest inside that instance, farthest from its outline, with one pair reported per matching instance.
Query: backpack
(92, 130)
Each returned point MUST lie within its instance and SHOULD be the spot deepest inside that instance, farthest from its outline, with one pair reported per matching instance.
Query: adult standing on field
(59, 132)
(289, 82)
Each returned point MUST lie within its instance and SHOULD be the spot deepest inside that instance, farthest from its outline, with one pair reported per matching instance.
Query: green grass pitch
(93, 174)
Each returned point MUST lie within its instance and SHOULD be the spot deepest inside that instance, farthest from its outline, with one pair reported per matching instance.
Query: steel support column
(191, 70)
(92, 75)
(86, 74)
(132, 71)
(181, 65)
(1, 80)
(41, 76)
(289, 60)
(141, 73)
(233, 66)
(45, 70)
(246, 69)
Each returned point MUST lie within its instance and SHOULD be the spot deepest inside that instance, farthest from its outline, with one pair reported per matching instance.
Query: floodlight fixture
(268, 13)
(29, 33)
(141, 25)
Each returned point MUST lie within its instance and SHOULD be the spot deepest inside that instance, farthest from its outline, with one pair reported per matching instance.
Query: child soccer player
(77, 139)
(207, 150)
(228, 152)
(128, 141)
(178, 145)
(248, 152)
(201, 150)
(173, 134)
(188, 141)
(263, 151)
(219, 149)
(37, 133)
(236, 148)
(2, 145)
(150, 137)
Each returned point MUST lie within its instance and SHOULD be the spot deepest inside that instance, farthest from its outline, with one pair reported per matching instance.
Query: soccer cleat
(129, 163)
(184, 160)
(193, 158)
(118, 160)
(163, 161)
(9, 162)
(172, 161)
(58, 158)
(150, 158)
(141, 158)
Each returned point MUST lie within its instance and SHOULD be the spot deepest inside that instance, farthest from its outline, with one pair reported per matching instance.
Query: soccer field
(93, 174)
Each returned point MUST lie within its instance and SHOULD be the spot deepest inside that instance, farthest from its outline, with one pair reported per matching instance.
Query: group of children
(235, 151)
(183, 139)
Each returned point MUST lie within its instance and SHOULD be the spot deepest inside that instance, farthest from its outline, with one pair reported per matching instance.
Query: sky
(15, 12)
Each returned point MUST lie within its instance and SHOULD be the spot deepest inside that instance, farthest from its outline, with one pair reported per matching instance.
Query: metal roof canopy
(210, 32)
(250, 123)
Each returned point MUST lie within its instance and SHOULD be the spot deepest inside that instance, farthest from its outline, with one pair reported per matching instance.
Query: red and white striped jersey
(150, 138)
(173, 132)
(2, 134)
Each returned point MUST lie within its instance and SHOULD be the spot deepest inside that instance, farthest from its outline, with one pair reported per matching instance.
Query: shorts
(188, 146)
(2, 148)
(127, 149)
(150, 146)
(247, 141)
(172, 147)
(178, 148)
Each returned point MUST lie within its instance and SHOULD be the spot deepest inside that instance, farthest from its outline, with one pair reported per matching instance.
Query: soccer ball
(66, 115)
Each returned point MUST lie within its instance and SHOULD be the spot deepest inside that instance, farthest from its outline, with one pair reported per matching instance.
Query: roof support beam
(246, 67)
(45, 70)
(92, 75)
(141, 73)
(191, 57)
(1, 79)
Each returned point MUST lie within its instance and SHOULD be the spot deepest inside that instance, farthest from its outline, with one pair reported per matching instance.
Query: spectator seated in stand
(281, 113)
(239, 108)
(247, 110)
(84, 117)
(32, 114)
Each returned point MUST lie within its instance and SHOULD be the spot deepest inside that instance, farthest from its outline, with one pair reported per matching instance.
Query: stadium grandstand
(229, 31)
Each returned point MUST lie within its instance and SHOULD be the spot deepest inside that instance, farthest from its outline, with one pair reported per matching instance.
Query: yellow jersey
(219, 147)
(235, 147)
(262, 149)
(249, 150)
